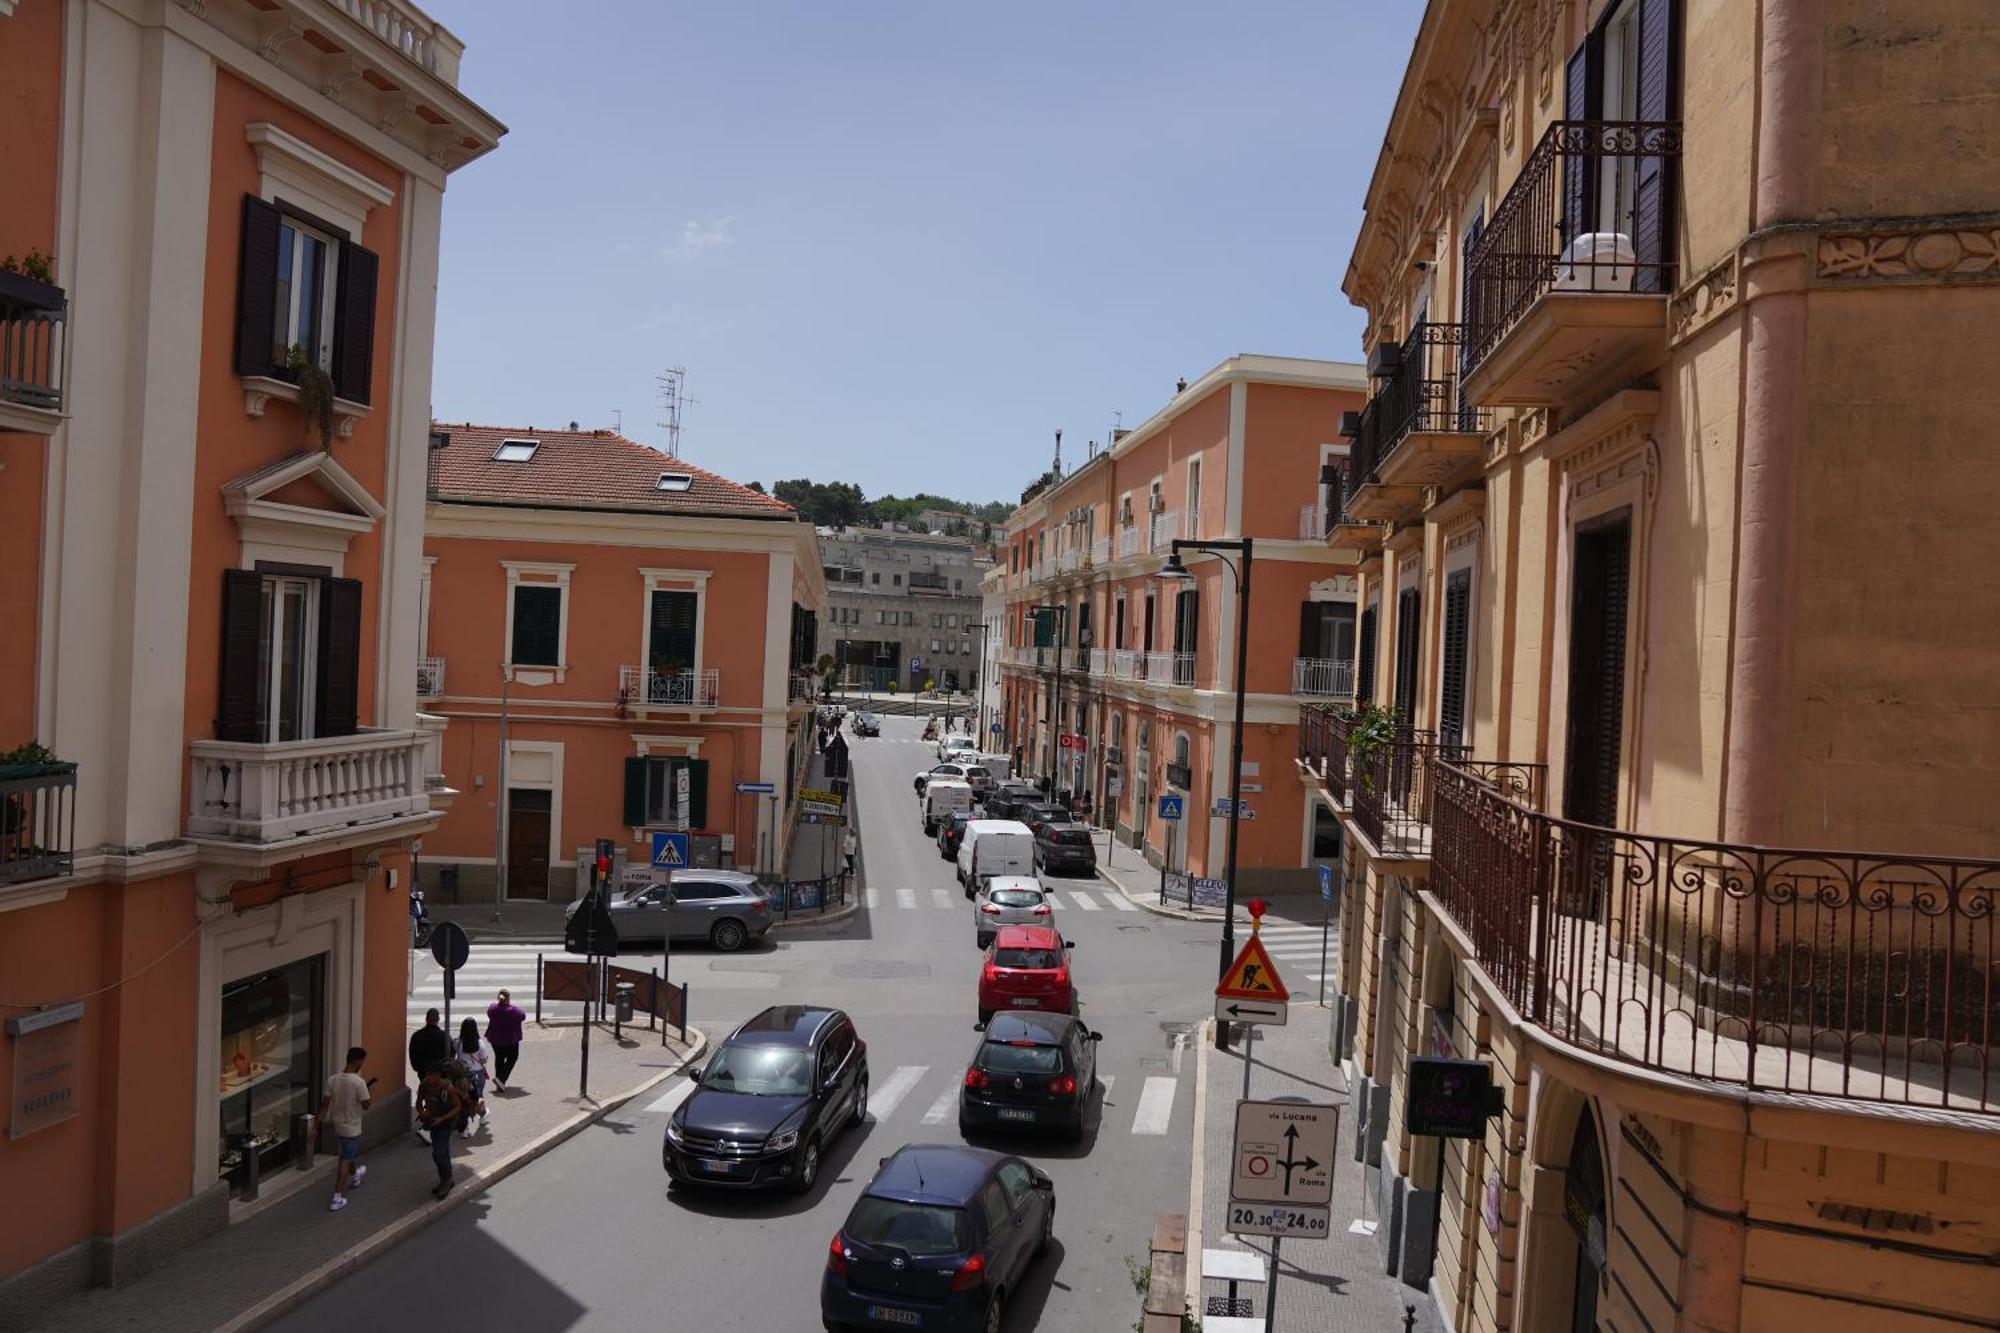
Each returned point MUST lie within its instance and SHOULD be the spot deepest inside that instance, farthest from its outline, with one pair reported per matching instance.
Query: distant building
(948, 522)
(902, 608)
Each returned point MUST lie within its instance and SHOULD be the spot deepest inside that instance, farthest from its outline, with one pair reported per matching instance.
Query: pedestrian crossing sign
(1252, 977)
(670, 851)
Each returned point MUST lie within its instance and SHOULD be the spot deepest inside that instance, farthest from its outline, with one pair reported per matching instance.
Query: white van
(994, 847)
(999, 765)
(942, 799)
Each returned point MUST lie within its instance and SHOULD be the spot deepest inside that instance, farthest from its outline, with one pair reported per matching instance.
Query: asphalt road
(589, 1237)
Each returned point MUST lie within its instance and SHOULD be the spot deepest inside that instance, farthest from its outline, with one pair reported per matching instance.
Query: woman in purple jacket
(503, 1034)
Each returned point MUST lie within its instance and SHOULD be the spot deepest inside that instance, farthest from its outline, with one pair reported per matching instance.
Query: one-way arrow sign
(1231, 1010)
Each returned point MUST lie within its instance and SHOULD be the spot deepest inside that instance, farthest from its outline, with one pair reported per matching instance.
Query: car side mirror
(1097, 1036)
(694, 1077)
(1044, 1183)
(1069, 944)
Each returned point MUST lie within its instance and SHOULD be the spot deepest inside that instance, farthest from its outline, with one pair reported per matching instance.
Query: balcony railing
(1191, 523)
(1068, 560)
(1100, 551)
(32, 316)
(1391, 785)
(1329, 676)
(1127, 664)
(37, 821)
(1100, 661)
(1170, 668)
(430, 677)
(1314, 522)
(1421, 395)
(799, 688)
(1587, 213)
(409, 32)
(646, 687)
(1165, 527)
(1131, 541)
(268, 793)
(1834, 974)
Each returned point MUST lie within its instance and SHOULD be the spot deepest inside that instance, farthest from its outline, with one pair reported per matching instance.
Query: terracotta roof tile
(594, 469)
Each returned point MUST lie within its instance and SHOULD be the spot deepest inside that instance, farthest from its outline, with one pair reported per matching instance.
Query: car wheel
(834, 1326)
(728, 936)
(860, 1103)
(985, 1016)
(964, 1128)
(808, 1171)
(995, 1311)
(1048, 1232)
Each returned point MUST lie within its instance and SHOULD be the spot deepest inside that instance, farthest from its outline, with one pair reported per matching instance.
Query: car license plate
(1024, 1001)
(720, 1168)
(1014, 1113)
(889, 1314)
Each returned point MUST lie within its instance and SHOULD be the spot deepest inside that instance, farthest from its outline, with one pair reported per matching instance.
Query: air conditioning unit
(1329, 474)
(1385, 359)
(1125, 510)
(1350, 425)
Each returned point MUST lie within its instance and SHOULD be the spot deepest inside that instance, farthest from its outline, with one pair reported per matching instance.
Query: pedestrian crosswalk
(1082, 895)
(1152, 1117)
(1295, 950)
(491, 968)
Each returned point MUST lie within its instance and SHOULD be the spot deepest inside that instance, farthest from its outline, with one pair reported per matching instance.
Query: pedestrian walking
(347, 1096)
(503, 1034)
(850, 847)
(438, 1109)
(430, 1045)
(467, 1050)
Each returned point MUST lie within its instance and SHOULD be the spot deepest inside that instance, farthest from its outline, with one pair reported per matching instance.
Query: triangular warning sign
(1251, 976)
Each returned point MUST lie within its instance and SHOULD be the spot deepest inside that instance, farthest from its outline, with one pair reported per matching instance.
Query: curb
(1152, 904)
(1197, 1184)
(838, 916)
(299, 1291)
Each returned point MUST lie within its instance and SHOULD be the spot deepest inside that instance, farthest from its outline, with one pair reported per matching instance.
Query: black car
(1065, 849)
(771, 1098)
(866, 724)
(939, 1240)
(1033, 1070)
(1007, 797)
(1038, 812)
(951, 832)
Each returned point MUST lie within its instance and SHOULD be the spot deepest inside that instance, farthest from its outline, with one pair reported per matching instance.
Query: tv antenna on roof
(673, 400)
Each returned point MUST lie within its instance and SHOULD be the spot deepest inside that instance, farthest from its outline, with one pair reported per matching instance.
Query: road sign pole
(1325, 927)
(1249, 1052)
(1271, 1287)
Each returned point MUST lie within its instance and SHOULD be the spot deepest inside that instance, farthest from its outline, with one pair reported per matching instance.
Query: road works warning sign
(1252, 977)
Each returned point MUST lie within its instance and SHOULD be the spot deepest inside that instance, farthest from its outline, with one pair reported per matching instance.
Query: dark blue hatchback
(939, 1240)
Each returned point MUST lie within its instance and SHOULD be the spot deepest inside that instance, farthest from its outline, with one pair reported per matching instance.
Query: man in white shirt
(347, 1096)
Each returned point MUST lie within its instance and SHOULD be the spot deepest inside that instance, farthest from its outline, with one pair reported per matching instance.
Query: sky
(900, 244)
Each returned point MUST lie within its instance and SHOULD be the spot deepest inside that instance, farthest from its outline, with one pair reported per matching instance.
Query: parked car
(774, 1094)
(956, 745)
(1008, 900)
(1065, 849)
(950, 770)
(865, 723)
(1009, 796)
(939, 1240)
(727, 908)
(1032, 1070)
(951, 832)
(1027, 967)
(944, 796)
(994, 847)
(1038, 812)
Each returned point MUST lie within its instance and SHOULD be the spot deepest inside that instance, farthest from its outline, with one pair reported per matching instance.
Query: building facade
(1680, 816)
(1141, 674)
(617, 639)
(212, 433)
(903, 608)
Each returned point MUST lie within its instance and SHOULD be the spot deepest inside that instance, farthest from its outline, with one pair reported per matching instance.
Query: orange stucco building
(1678, 317)
(211, 598)
(654, 626)
(1143, 671)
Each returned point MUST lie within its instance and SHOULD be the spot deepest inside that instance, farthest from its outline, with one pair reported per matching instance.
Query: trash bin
(447, 884)
(624, 990)
(305, 1137)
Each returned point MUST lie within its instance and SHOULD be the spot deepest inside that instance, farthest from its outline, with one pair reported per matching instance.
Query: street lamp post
(1174, 569)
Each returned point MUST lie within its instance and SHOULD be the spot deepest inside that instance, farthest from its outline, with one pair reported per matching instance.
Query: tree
(758, 487)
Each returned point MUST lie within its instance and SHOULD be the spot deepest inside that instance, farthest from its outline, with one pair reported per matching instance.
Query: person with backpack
(438, 1109)
(470, 1076)
(430, 1045)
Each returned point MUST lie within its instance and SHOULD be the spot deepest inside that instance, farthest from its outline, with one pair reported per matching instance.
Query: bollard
(305, 1135)
(252, 1169)
(538, 990)
(621, 1010)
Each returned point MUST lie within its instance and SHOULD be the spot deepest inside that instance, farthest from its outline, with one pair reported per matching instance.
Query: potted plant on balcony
(315, 393)
(1371, 728)
(30, 281)
(32, 760)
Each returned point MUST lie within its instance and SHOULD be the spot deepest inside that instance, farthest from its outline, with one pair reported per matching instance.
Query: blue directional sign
(755, 789)
(995, 728)
(670, 851)
(1172, 807)
(1326, 883)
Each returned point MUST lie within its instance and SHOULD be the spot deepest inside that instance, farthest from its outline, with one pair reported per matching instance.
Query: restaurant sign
(47, 1067)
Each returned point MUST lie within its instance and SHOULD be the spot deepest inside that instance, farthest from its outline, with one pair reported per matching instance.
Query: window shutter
(1652, 192)
(1409, 631)
(354, 322)
(339, 697)
(1451, 699)
(635, 792)
(674, 616)
(236, 717)
(1583, 99)
(257, 288)
(697, 793)
(1364, 679)
(1308, 629)
(1600, 573)
(537, 624)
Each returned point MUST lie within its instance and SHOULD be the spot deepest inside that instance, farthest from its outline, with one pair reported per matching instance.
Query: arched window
(1183, 749)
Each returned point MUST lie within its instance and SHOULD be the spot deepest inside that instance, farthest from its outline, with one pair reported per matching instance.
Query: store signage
(47, 1068)
(1450, 1098)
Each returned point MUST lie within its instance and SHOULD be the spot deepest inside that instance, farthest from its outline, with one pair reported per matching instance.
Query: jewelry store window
(273, 1035)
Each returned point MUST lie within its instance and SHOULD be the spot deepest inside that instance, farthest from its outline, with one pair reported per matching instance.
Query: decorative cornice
(1703, 301)
(1915, 251)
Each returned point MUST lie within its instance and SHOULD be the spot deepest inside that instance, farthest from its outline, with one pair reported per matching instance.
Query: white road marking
(885, 1099)
(1180, 1046)
(1105, 1081)
(1156, 1107)
(940, 900)
(941, 1107)
(874, 897)
(1119, 901)
(906, 898)
(1085, 901)
(671, 1098)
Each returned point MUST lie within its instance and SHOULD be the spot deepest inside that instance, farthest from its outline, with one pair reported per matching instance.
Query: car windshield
(760, 1071)
(1009, 1057)
(1015, 897)
(921, 1230)
(1037, 959)
(1072, 837)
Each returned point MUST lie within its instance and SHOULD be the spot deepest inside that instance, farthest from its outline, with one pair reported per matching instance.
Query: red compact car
(1027, 967)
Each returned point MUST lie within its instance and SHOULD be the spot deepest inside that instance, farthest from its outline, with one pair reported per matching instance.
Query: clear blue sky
(901, 244)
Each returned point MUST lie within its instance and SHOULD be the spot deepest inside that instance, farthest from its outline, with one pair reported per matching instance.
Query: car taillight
(990, 909)
(976, 1078)
(1043, 910)
(836, 1257)
(1063, 1085)
(972, 1275)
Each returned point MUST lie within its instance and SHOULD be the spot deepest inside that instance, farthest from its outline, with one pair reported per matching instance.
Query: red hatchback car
(1027, 967)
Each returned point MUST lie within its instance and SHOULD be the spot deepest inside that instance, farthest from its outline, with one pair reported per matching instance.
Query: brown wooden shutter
(1457, 618)
(354, 322)
(1409, 629)
(1652, 192)
(339, 697)
(236, 716)
(1583, 99)
(1599, 575)
(635, 792)
(1364, 678)
(257, 288)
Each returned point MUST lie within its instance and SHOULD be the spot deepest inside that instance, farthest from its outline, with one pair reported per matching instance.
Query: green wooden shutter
(673, 615)
(635, 792)
(697, 793)
(338, 699)
(237, 717)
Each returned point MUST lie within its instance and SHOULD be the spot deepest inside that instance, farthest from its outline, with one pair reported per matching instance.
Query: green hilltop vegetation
(842, 504)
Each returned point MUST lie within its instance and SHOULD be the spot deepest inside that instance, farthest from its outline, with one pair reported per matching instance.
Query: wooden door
(528, 814)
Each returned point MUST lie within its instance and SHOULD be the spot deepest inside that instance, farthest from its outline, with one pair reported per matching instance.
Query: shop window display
(271, 1060)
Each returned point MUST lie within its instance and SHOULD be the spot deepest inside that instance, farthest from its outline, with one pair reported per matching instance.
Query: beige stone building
(1674, 484)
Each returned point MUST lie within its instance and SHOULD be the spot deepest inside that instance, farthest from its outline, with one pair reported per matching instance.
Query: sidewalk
(250, 1273)
(1334, 1285)
(1131, 874)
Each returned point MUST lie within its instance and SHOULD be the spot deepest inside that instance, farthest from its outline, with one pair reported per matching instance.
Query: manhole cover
(887, 970)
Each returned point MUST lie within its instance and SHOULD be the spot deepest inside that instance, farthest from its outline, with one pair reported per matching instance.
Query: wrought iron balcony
(645, 687)
(1131, 541)
(1170, 668)
(1426, 431)
(1328, 676)
(1315, 521)
(430, 677)
(256, 793)
(1828, 973)
(32, 320)
(1571, 274)
(37, 821)
(1164, 527)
